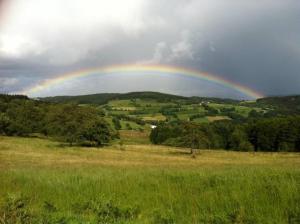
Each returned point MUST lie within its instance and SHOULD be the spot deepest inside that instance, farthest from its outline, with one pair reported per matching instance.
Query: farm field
(44, 181)
(153, 111)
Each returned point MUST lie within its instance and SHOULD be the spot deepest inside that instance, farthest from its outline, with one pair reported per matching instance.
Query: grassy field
(42, 181)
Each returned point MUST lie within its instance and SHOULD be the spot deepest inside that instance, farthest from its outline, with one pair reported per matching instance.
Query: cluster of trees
(210, 111)
(139, 112)
(170, 110)
(275, 134)
(227, 109)
(195, 116)
(269, 134)
(20, 116)
(130, 118)
(214, 135)
(117, 123)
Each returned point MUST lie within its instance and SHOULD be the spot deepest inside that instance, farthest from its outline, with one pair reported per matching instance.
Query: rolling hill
(103, 98)
(281, 101)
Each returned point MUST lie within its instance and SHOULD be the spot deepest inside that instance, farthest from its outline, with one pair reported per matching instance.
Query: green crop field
(43, 181)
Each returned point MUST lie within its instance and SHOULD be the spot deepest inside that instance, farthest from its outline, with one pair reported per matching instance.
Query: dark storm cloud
(254, 43)
(260, 49)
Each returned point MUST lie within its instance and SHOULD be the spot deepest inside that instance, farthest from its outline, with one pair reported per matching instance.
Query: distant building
(153, 126)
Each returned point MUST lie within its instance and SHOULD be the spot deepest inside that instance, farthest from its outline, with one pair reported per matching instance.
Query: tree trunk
(193, 152)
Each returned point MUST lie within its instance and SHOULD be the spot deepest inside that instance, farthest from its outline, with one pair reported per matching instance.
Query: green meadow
(43, 181)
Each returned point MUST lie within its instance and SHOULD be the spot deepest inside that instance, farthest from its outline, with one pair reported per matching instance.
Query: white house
(153, 126)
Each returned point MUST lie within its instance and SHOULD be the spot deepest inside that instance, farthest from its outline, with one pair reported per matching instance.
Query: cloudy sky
(254, 43)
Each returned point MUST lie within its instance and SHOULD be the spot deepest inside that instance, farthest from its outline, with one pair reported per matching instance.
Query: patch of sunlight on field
(124, 108)
(217, 118)
(156, 117)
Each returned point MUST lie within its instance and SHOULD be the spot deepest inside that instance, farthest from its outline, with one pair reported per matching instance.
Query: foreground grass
(44, 182)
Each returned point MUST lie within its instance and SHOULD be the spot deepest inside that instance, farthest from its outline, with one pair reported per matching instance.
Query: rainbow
(162, 69)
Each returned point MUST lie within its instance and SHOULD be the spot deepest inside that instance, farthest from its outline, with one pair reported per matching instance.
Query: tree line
(20, 116)
(267, 134)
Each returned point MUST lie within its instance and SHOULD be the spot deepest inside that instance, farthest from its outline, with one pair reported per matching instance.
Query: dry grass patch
(16, 152)
(217, 118)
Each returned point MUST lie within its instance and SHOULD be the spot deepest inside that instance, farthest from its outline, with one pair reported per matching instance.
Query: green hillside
(103, 98)
(284, 104)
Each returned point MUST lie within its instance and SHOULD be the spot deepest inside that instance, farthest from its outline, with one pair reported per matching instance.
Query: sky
(253, 43)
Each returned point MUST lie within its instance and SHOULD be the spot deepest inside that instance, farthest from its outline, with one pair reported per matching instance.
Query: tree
(97, 133)
(194, 137)
(128, 126)
(116, 123)
(224, 130)
(255, 114)
(239, 140)
(81, 125)
(195, 140)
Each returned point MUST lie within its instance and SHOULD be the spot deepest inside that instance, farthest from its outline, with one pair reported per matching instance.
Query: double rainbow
(161, 69)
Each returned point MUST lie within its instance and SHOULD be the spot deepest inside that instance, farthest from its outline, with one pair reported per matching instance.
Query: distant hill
(284, 104)
(289, 101)
(7, 97)
(103, 98)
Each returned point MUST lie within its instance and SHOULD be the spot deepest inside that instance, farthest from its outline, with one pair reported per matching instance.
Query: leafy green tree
(223, 129)
(79, 125)
(165, 131)
(116, 123)
(97, 133)
(195, 139)
(239, 140)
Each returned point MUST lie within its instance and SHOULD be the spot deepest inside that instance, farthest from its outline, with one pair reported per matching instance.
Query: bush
(116, 123)
(245, 146)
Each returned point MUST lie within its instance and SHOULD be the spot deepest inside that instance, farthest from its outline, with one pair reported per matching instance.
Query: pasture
(43, 181)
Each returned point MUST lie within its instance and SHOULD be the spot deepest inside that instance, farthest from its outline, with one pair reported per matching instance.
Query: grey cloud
(254, 43)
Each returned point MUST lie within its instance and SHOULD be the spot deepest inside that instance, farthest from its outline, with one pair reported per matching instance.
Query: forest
(268, 134)
(21, 116)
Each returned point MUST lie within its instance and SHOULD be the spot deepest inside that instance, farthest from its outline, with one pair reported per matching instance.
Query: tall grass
(35, 189)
